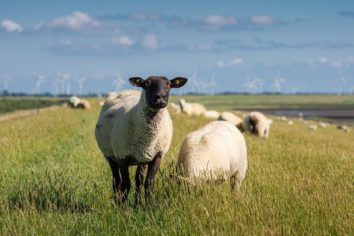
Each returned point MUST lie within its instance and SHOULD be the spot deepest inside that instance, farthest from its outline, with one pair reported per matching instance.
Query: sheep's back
(217, 149)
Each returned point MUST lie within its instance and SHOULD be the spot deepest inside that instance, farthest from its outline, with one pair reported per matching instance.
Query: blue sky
(255, 46)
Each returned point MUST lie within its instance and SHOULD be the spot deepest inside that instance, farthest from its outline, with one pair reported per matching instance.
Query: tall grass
(54, 181)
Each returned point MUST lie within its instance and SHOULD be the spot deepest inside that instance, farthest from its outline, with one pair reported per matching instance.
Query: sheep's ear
(137, 82)
(178, 82)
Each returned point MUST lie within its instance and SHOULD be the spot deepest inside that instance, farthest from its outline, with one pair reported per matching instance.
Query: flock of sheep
(135, 128)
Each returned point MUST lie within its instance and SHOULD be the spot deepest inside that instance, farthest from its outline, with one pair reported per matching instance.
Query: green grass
(10, 104)
(54, 181)
(271, 101)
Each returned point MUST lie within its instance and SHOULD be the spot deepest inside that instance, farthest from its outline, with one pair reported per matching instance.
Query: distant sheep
(257, 124)
(192, 109)
(312, 127)
(75, 102)
(215, 151)
(135, 128)
(232, 118)
(176, 107)
(345, 128)
(211, 114)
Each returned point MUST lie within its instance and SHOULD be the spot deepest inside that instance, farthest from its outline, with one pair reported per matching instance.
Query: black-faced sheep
(136, 129)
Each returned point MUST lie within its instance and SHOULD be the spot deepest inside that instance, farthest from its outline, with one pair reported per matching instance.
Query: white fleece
(216, 150)
(124, 129)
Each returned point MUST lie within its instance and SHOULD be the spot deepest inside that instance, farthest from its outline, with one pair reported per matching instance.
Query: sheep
(192, 109)
(215, 151)
(345, 128)
(257, 124)
(136, 129)
(312, 127)
(232, 118)
(176, 107)
(211, 114)
(75, 102)
(290, 122)
(84, 104)
(323, 124)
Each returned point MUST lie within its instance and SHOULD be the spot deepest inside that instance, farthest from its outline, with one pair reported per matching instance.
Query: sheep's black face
(157, 89)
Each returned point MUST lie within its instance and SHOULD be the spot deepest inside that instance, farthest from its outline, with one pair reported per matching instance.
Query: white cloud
(123, 41)
(76, 21)
(263, 20)
(337, 63)
(217, 21)
(150, 42)
(11, 26)
(234, 62)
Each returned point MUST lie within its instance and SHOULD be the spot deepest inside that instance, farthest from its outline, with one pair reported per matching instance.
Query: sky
(221, 46)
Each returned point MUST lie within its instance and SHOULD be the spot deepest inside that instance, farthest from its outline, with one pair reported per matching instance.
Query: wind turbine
(277, 82)
(63, 80)
(81, 82)
(212, 83)
(195, 83)
(250, 84)
(258, 83)
(39, 80)
(341, 81)
(118, 82)
(5, 84)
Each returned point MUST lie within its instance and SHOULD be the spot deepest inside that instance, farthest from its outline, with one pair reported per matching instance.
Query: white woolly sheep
(75, 102)
(176, 107)
(312, 127)
(256, 123)
(232, 118)
(136, 129)
(215, 151)
(192, 109)
(323, 124)
(345, 128)
(211, 114)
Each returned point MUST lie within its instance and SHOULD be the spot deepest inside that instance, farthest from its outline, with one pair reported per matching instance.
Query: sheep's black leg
(115, 173)
(125, 186)
(153, 167)
(139, 179)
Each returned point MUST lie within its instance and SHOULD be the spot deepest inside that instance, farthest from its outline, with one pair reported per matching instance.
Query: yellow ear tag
(177, 82)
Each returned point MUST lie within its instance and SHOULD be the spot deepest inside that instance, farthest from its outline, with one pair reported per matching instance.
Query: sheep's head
(157, 89)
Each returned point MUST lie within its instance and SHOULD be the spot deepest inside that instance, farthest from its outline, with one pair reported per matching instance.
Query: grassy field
(54, 181)
(271, 101)
(9, 104)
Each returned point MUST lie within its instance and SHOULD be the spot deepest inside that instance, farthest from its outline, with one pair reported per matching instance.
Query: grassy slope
(53, 180)
(10, 104)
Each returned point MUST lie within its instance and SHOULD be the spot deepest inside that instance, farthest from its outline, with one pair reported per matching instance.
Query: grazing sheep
(257, 124)
(75, 102)
(282, 118)
(211, 114)
(232, 118)
(312, 127)
(136, 129)
(345, 128)
(323, 124)
(176, 107)
(192, 109)
(215, 151)
(290, 122)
